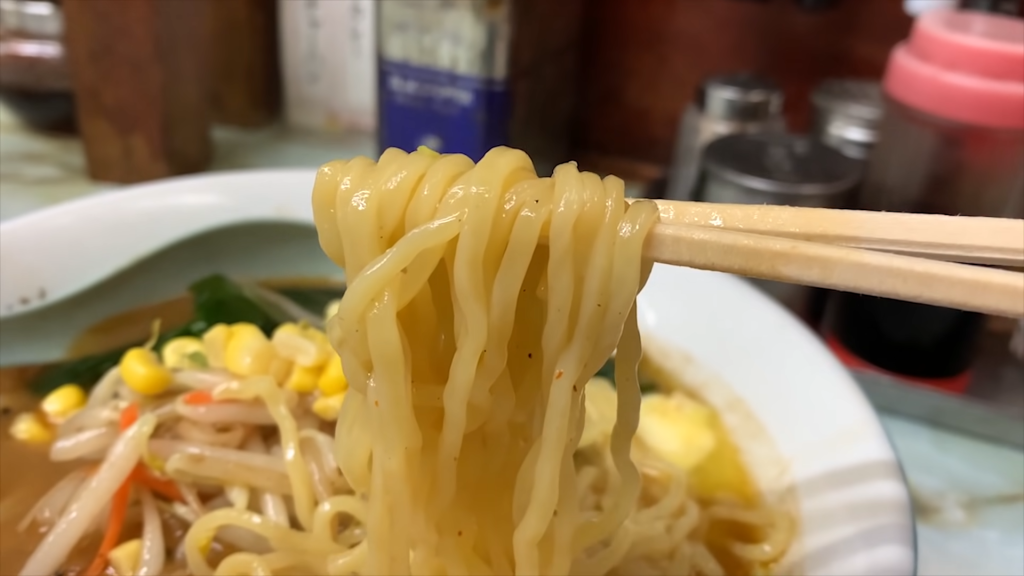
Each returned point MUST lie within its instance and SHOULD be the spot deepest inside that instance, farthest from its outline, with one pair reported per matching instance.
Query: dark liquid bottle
(924, 164)
(950, 142)
(926, 343)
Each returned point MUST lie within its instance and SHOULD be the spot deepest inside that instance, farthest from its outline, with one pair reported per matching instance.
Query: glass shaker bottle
(782, 169)
(740, 103)
(951, 142)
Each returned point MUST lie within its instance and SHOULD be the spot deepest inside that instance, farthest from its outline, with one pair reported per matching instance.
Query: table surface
(969, 494)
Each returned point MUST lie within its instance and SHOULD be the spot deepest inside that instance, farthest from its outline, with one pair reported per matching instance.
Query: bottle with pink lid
(951, 142)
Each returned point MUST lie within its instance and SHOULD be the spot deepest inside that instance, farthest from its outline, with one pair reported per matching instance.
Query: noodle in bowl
(467, 433)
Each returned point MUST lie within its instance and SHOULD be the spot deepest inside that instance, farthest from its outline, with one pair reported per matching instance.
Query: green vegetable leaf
(314, 300)
(198, 359)
(216, 299)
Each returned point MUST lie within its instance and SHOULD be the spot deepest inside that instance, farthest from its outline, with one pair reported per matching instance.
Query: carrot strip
(118, 506)
(162, 486)
(198, 398)
(118, 510)
(129, 415)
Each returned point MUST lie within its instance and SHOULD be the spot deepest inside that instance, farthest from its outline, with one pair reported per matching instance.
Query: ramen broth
(26, 472)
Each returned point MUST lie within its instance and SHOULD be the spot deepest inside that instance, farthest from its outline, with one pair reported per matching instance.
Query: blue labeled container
(444, 75)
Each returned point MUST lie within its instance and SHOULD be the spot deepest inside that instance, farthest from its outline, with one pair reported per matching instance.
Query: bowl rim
(269, 184)
(786, 346)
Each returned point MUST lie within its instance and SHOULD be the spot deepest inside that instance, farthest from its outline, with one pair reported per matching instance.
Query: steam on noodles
(449, 421)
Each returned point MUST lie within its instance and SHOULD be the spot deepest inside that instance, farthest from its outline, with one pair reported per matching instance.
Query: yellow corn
(327, 407)
(248, 352)
(143, 372)
(303, 379)
(183, 352)
(303, 345)
(280, 369)
(63, 402)
(332, 380)
(215, 342)
(205, 544)
(28, 427)
(676, 428)
(124, 559)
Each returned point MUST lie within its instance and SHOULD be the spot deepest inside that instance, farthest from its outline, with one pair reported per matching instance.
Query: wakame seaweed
(216, 299)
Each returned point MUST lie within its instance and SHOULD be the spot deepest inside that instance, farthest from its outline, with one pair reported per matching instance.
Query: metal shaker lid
(849, 112)
(781, 163)
(741, 97)
(850, 97)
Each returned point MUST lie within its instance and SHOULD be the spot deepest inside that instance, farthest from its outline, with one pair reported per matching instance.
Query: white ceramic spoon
(53, 254)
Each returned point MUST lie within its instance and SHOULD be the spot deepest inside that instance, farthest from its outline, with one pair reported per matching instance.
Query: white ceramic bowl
(804, 426)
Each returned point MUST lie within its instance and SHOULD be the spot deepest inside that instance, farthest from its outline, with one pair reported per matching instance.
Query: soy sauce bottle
(950, 142)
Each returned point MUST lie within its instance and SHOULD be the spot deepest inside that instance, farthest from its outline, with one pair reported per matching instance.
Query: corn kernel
(332, 380)
(248, 352)
(205, 544)
(239, 328)
(303, 379)
(28, 427)
(182, 352)
(327, 407)
(677, 429)
(63, 402)
(215, 342)
(124, 559)
(280, 369)
(323, 346)
(143, 372)
(303, 345)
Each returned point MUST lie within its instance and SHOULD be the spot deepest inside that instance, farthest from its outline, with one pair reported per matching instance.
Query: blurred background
(904, 105)
(799, 102)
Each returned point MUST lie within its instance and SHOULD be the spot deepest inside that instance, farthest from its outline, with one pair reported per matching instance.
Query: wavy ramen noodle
(466, 433)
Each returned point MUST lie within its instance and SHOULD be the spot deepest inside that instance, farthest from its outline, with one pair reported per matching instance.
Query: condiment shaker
(847, 113)
(740, 103)
(781, 169)
(951, 142)
(467, 76)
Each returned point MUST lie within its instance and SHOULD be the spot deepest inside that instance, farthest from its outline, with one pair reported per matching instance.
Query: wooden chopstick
(961, 286)
(971, 239)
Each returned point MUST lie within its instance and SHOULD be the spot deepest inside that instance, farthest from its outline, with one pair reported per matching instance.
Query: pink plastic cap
(962, 66)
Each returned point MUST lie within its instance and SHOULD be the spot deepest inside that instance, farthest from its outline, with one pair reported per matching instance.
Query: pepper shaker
(739, 103)
(951, 142)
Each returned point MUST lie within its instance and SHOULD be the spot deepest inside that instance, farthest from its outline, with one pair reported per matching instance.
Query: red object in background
(951, 142)
(956, 384)
(965, 67)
